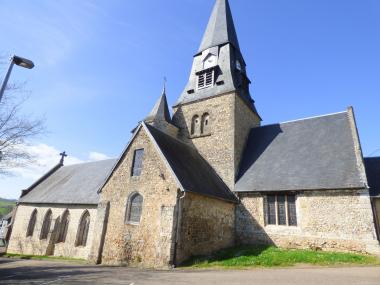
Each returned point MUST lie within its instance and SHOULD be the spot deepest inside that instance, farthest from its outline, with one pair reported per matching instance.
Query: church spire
(218, 67)
(160, 111)
(220, 29)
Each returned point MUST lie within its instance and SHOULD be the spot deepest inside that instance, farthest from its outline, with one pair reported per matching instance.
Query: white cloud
(96, 156)
(45, 158)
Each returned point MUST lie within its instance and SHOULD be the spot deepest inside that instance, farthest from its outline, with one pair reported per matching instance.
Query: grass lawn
(43, 257)
(245, 257)
(6, 206)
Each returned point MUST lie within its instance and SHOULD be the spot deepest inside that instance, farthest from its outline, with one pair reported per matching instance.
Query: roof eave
(361, 187)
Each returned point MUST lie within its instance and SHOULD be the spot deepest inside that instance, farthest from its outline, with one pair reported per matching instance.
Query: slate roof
(220, 29)
(310, 154)
(75, 184)
(192, 171)
(372, 166)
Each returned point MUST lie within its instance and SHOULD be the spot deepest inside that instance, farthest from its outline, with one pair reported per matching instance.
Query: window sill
(282, 229)
(199, 136)
(135, 178)
(281, 226)
(132, 223)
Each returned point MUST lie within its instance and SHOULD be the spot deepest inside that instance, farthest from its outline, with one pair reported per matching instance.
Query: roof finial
(63, 155)
(164, 89)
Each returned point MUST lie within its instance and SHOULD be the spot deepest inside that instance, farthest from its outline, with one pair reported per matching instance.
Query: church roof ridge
(84, 163)
(302, 119)
(313, 117)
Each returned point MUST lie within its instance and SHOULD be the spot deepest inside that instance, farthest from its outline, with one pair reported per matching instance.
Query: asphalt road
(46, 272)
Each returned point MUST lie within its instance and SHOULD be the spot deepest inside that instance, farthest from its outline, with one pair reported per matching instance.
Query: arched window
(64, 225)
(83, 228)
(32, 223)
(46, 225)
(134, 208)
(205, 128)
(195, 125)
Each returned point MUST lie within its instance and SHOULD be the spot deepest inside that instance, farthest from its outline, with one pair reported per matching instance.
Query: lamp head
(23, 62)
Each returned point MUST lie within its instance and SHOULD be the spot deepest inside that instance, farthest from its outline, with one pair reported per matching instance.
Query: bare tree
(16, 129)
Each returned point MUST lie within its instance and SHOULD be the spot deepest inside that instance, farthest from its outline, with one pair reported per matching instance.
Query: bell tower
(215, 112)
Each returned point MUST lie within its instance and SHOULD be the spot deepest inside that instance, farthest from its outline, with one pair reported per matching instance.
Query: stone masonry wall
(149, 243)
(207, 226)
(245, 120)
(21, 244)
(230, 122)
(218, 146)
(327, 220)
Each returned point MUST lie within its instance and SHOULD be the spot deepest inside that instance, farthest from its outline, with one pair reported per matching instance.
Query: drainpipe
(177, 233)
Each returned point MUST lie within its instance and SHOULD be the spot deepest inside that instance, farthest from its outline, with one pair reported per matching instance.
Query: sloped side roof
(75, 184)
(192, 171)
(372, 168)
(310, 154)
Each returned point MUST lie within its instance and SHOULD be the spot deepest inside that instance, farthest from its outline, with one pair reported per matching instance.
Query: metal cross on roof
(63, 155)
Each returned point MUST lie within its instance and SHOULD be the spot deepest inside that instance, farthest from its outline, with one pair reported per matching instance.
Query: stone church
(208, 177)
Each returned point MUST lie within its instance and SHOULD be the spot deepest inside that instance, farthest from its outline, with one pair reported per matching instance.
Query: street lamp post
(23, 62)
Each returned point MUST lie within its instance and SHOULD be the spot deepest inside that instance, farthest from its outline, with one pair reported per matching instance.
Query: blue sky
(100, 65)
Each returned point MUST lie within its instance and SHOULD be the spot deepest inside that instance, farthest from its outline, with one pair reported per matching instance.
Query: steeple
(218, 67)
(220, 29)
(160, 111)
(160, 117)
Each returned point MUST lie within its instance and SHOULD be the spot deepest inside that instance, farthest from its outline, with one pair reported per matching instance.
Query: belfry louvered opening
(206, 78)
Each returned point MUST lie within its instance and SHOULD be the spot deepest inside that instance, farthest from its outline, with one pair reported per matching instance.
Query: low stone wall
(33, 245)
(327, 220)
(207, 225)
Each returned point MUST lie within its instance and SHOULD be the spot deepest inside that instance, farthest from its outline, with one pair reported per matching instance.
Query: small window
(195, 125)
(281, 210)
(46, 225)
(84, 226)
(206, 79)
(137, 162)
(271, 212)
(205, 128)
(292, 213)
(32, 224)
(134, 208)
(64, 225)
